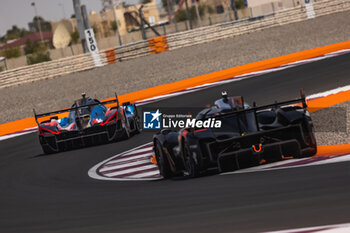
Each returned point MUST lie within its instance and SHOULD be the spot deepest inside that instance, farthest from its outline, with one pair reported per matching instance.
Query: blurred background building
(61, 39)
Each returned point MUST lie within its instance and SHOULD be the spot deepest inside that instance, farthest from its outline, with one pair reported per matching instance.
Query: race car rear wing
(255, 109)
(37, 116)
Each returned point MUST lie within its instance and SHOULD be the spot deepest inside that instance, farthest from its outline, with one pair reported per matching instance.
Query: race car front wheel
(192, 169)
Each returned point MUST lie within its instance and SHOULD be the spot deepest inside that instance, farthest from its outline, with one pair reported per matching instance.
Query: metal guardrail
(83, 62)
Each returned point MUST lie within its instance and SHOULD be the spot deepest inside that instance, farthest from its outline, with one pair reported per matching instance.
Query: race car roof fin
(73, 108)
(303, 97)
(116, 98)
(35, 116)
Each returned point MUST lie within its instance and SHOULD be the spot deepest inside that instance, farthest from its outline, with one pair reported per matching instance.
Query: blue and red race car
(89, 122)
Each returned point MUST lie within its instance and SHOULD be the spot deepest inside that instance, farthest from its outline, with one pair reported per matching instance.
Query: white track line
(330, 92)
(339, 228)
(17, 134)
(146, 174)
(345, 158)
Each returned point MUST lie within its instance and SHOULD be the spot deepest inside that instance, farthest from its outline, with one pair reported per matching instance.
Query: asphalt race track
(55, 194)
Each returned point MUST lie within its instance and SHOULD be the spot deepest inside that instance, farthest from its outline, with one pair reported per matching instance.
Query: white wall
(253, 3)
(265, 7)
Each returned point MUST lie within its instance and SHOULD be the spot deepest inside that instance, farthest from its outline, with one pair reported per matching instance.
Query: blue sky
(20, 12)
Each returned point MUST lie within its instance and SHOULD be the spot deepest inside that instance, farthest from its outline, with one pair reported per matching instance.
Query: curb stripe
(150, 168)
(117, 163)
(123, 168)
(108, 167)
(139, 157)
(138, 151)
(154, 174)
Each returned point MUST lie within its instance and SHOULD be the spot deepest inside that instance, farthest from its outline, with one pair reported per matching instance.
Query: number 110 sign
(90, 40)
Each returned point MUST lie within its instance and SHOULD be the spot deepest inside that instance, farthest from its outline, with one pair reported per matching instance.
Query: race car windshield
(234, 103)
(84, 110)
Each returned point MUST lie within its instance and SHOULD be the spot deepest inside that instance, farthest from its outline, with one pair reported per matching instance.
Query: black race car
(248, 136)
(89, 122)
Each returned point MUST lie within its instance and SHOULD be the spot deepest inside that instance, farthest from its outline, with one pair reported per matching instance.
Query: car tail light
(110, 118)
(47, 131)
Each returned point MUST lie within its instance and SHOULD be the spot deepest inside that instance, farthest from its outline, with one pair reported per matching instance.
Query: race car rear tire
(125, 133)
(190, 165)
(162, 161)
(47, 149)
(137, 126)
(308, 130)
(126, 130)
(311, 151)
